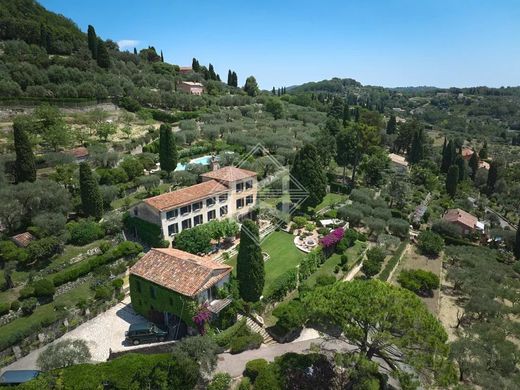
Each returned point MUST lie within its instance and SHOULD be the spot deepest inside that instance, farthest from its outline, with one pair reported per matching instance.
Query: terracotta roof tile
(179, 271)
(461, 216)
(229, 174)
(79, 152)
(397, 159)
(23, 239)
(186, 195)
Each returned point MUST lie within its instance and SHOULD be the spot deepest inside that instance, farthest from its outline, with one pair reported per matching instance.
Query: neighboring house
(191, 87)
(467, 153)
(466, 222)
(80, 153)
(399, 163)
(185, 69)
(227, 192)
(169, 286)
(23, 239)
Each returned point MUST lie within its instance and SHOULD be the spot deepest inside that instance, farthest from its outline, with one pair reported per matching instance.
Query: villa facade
(191, 87)
(227, 192)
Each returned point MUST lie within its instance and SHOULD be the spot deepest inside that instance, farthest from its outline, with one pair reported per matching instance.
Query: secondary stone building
(466, 222)
(169, 286)
(191, 87)
(227, 192)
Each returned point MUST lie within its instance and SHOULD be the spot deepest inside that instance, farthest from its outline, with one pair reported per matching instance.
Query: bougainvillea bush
(333, 238)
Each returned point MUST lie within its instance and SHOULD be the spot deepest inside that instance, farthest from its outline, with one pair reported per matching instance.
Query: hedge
(223, 339)
(149, 233)
(310, 263)
(243, 343)
(281, 286)
(254, 367)
(126, 248)
(385, 273)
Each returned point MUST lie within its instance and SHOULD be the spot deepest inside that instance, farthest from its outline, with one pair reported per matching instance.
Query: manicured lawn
(331, 199)
(283, 256)
(330, 264)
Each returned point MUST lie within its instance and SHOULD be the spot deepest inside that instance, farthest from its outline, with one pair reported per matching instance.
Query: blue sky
(285, 42)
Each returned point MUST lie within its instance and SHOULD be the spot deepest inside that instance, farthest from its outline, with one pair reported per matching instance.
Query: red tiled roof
(461, 216)
(467, 153)
(179, 271)
(229, 174)
(23, 239)
(186, 195)
(397, 159)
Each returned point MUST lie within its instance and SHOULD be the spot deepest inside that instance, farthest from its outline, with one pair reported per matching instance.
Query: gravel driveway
(102, 333)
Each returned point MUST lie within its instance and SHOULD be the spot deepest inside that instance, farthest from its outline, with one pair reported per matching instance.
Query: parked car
(17, 377)
(145, 332)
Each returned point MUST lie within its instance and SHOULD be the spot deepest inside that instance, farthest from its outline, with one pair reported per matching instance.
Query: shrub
(220, 381)
(223, 339)
(103, 293)
(26, 292)
(4, 308)
(255, 367)
(351, 215)
(376, 254)
(299, 222)
(419, 281)
(382, 213)
(43, 249)
(243, 343)
(281, 286)
(291, 316)
(64, 353)
(446, 229)
(117, 283)
(430, 243)
(149, 233)
(44, 288)
(371, 268)
(84, 232)
(15, 305)
(344, 259)
(267, 380)
(245, 384)
(194, 240)
(325, 280)
(310, 263)
(28, 306)
(323, 231)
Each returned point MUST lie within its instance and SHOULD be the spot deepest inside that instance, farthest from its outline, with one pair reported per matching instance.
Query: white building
(224, 193)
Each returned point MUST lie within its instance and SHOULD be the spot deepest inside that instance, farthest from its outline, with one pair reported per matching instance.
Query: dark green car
(145, 332)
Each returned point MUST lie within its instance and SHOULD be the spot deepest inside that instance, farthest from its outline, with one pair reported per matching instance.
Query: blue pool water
(204, 160)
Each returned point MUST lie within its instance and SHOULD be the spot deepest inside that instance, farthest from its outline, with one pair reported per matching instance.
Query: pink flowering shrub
(201, 318)
(333, 238)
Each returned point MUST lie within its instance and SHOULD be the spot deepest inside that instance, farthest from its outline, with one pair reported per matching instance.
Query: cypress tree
(92, 41)
(135, 51)
(250, 263)
(444, 146)
(212, 74)
(25, 167)
(103, 60)
(492, 176)
(167, 149)
(310, 175)
(391, 125)
(235, 80)
(336, 109)
(483, 154)
(516, 249)
(273, 92)
(162, 57)
(452, 179)
(91, 200)
(461, 164)
(356, 115)
(417, 149)
(473, 164)
(195, 65)
(229, 78)
(346, 114)
(448, 157)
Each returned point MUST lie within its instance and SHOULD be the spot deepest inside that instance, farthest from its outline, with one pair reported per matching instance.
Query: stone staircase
(257, 328)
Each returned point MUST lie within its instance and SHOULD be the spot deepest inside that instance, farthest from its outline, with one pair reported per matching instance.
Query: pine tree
(473, 164)
(452, 179)
(444, 144)
(250, 263)
(103, 60)
(310, 175)
(162, 57)
(461, 164)
(91, 199)
(391, 126)
(25, 167)
(92, 41)
(492, 176)
(417, 149)
(516, 249)
(483, 154)
(448, 157)
(167, 149)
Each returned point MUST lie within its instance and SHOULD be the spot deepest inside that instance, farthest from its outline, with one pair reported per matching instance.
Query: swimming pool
(204, 160)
